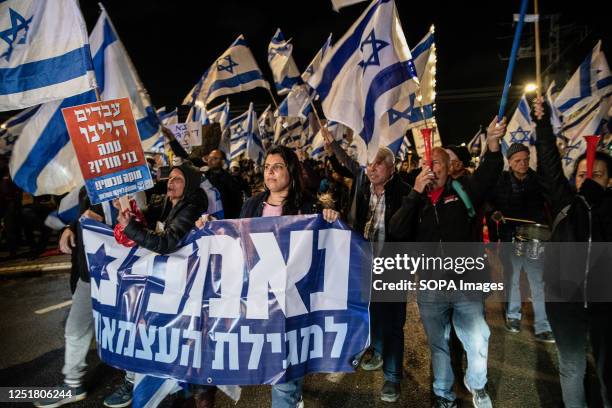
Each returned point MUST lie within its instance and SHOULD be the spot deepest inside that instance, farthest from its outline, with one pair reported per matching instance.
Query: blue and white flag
(316, 61)
(592, 122)
(317, 146)
(234, 71)
(251, 301)
(239, 128)
(555, 116)
(297, 103)
(405, 148)
(43, 160)
(478, 143)
(254, 148)
(284, 70)
(287, 130)
(11, 129)
(367, 73)
(266, 124)
(591, 82)
(215, 206)
(67, 212)
(418, 108)
(44, 52)
(338, 4)
(521, 129)
(220, 114)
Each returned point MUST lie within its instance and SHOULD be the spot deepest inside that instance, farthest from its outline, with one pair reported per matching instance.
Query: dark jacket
(395, 190)
(178, 220)
(447, 221)
(231, 193)
(253, 207)
(578, 217)
(516, 198)
(79, 269)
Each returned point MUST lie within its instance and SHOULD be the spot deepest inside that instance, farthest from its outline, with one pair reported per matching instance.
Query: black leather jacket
(178, 220)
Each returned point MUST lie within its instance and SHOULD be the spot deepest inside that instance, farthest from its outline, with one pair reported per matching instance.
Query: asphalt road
(522, 373)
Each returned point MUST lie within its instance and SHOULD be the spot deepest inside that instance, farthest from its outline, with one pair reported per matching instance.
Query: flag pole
(316, 114)
(515, 46)
(272, 97)
(537, 50)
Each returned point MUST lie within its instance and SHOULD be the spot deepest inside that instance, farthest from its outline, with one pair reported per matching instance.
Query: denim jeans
(573, 327)
(387, 322)
(78, 334)
(287, 395)
(534, 271)
(473, 332)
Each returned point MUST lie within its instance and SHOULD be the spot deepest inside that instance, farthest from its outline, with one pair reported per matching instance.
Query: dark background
(172, 43)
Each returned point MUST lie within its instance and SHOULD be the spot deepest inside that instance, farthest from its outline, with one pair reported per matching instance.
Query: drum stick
(519, 220)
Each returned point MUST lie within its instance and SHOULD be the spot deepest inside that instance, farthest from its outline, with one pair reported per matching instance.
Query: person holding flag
(440, 209)
(578, 285)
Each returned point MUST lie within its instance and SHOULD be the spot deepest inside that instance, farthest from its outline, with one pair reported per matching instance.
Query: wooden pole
(537, 50)
(272, 97)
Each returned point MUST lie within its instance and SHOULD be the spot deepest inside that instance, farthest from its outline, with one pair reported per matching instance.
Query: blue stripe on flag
(235, 80)
(22, 117)
(346, 50)
(602, 83)
(98, 59)
(149, 125)
(524, 109)
(387, 79)
(395, 146)
(48, 145)
(38, 74)
(422, 47)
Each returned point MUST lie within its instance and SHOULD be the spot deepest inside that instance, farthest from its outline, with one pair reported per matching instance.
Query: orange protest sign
(107, 144)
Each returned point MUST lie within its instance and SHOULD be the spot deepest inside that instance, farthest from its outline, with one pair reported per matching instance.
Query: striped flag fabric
(284, 70)
(44, 53)
(366, 73)
(234, 71)
(43, 159)
(11, 129)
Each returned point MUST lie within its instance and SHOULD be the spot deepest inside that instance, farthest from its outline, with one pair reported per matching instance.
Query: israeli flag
(287, 130)
(198, 113)
(67, 212)
(266, 124)
(317, 146)
(234, 71)
(338, 4)
(215, 206)
(238, 130)
(478, 143)
(555, 116)
(149, 391)
(44, 52)
(316, 61)
(43, 160)
(367, 73)
(418, 108)
(220, 114)
(254, 150)
(591, 82)
(591, 122)
(11, 129)
(297, 103)
(284, 70)
(405, 148)
(521, 129)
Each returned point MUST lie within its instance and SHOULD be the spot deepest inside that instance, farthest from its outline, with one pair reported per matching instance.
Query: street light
(530, 87)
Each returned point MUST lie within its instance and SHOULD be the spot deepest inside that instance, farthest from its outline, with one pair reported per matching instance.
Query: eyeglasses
(276, 167)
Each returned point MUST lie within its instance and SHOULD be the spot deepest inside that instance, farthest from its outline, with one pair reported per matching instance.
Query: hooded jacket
(580, 270)
(177, 221)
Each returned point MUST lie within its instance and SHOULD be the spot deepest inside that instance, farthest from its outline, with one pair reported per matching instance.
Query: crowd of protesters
(445, 200)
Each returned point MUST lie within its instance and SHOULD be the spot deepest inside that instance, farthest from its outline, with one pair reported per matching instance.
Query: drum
(529, 240)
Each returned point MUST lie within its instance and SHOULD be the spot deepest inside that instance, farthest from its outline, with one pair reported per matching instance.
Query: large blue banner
(248, 301)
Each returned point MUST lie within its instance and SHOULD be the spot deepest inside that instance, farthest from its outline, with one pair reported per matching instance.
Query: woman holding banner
(284, 194)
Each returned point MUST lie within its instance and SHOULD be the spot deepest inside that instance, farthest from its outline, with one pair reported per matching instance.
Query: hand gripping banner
(248, 301)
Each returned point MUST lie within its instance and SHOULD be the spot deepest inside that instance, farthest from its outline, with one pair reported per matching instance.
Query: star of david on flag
(44, 52)
(234, 71)
(366, 73)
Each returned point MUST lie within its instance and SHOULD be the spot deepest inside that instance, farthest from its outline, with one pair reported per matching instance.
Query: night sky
(172, 42)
